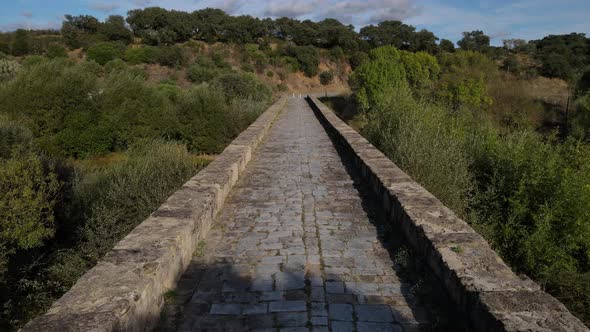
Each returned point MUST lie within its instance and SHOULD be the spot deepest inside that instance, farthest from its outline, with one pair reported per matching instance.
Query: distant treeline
(563, 56)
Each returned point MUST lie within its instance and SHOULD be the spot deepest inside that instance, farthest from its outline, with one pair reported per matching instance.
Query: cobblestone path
(294, 249)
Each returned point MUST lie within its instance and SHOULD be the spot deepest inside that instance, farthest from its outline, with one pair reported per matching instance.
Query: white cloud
(105, 7)
(289, 9)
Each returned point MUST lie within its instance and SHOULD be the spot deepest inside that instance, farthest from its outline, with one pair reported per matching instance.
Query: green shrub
(32, 60)
(357, 59)
(170, 90)
(270, 73)
(199, 74)
(464, 79)
(50, 96)
(326, 77)
(104, 52)
(56, 51)
(413, 134)
(380, 76)
(8, 69)
(247, 68)
(291, 63)
(308, 58)
(120, 197)
(243, 86)
(141, 54)
(28, 193)
(4, 48)
(282, 86)
(21, 43)
(336, 53)
(133, 110)
(170, 56)
(218, 58)
(389, 69)
(203, 115)
(115, 65)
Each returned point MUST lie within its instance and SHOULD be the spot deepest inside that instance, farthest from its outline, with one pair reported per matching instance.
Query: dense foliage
(88, 151)
(528, 194)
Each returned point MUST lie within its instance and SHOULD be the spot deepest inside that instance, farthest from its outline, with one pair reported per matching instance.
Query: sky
(500, 19)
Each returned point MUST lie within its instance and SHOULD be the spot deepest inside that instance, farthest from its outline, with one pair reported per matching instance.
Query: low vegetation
(87, 152)
(464, 137)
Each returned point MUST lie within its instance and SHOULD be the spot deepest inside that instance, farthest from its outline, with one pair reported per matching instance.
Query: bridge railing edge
(476, 278)
(125, 290)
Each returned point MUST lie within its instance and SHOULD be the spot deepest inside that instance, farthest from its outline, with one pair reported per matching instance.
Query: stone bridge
(302, 225)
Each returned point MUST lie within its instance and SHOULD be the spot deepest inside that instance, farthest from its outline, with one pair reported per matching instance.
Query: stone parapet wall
(484, 288)
(125, 290)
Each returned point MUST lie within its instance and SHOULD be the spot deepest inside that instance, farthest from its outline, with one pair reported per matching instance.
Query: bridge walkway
(298, 247)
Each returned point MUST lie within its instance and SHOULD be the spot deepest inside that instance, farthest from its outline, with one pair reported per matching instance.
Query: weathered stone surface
(480, 283)
(298, 223)
(125, 290)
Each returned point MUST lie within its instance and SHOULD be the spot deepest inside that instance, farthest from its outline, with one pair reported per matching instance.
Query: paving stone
(342, 326)
(373, 313)
(272, 296)
(316, 321)
(316, 281)
(226, 309)
(340, 312)
(317, 294)
(262, 285)
(295, 329)
(288, 319)
(254, 309)
(289, 280)
(319, 309)
(335, 287)
(281, 306)
(260, 321)
(377, 327)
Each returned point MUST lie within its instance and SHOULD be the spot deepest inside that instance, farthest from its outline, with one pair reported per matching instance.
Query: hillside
(101, 121)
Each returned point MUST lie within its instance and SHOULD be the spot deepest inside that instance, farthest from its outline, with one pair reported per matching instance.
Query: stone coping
(125, 290)
(483, 287)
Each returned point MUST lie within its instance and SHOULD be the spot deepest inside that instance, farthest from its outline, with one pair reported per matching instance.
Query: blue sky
(501, 19)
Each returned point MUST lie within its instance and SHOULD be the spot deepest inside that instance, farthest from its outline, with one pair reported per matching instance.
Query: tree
(393, 33)
(425, 40)
(474, 41)
(516, 45)
(332, 33)
(357, 59)
(75, 29)
(115, 29)
(20, 46)
(308, 58)
(208, 23)
(376, 78)
(447, 46)
(563, 56)
(511, 64)
(153, 24)
(464, 78)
